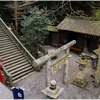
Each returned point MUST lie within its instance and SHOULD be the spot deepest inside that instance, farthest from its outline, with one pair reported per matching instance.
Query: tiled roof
(97, 51)
(52, 28)
(81, 25)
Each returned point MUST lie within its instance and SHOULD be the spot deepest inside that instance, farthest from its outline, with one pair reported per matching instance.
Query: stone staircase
(14, 61)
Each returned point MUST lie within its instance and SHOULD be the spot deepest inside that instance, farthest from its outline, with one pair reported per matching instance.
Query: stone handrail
(7, 76)
(27, 54)
(34, 62)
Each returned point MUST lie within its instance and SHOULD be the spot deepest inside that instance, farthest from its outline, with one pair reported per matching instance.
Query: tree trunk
(16, 15)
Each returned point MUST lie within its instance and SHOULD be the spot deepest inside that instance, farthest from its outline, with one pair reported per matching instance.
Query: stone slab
(5, 93)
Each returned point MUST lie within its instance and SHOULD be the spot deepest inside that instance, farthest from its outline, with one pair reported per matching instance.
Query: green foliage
(83, 8)
(34, 28)
(96, 13)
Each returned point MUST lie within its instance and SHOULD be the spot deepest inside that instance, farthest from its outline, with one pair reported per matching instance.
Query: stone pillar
(97, 78)
(48, 73)
(65, 72)
(65, 69)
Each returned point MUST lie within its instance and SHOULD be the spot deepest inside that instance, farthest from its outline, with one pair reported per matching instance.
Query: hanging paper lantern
(59, 67)
(54, 69)
(64, 61)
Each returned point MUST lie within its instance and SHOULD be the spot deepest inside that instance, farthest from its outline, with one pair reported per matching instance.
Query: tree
(16, 9)
(96, 10)
(96, 13)
(16, 14)
(57, 9)
(34, 29)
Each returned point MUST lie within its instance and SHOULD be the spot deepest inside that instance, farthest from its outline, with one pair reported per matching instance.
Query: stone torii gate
(47, 61)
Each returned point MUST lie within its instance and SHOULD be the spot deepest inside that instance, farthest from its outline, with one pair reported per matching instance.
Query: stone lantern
(82, 61)
(79, 79)
(52, 91)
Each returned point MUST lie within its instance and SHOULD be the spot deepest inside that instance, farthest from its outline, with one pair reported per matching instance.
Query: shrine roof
(84, 25)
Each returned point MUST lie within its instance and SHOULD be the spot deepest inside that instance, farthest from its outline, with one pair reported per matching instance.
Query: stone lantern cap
(53, 82)
(80, 75)
(53, 93)
(83, 56)
(97, 51)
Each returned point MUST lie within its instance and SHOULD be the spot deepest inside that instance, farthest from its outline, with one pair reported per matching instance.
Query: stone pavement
(5, 93)
(45, 48)
(37, 82)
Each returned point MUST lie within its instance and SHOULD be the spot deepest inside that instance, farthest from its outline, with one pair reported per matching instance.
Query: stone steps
(13, 59)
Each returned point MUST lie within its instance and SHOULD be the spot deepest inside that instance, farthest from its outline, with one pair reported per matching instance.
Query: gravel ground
(37, 82)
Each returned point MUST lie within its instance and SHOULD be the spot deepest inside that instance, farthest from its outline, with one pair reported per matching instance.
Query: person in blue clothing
(18, 93)
(65, 41)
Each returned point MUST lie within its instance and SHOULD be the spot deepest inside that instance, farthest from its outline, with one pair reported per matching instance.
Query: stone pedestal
(98, 97)
(5, 93)
(79, 79)
(97, 78)
(52, 91)
(81, 67)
